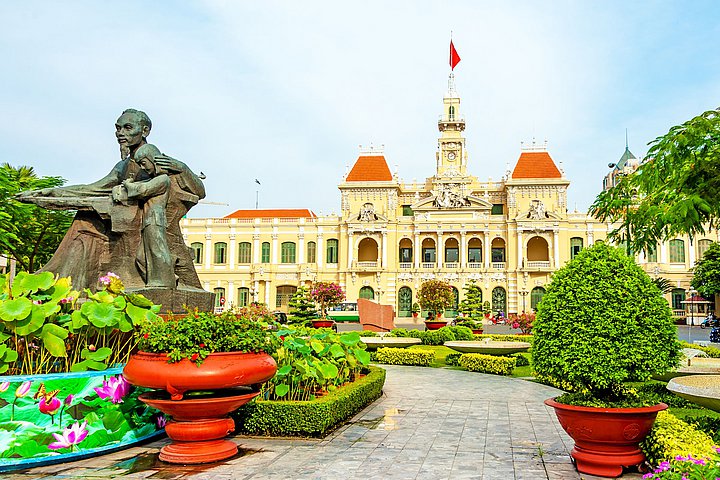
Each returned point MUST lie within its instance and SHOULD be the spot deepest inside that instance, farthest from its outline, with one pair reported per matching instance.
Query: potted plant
(209, 365)
(487, 311)
(326, 294)
(603, 322)
(435, 296)
(415, 309)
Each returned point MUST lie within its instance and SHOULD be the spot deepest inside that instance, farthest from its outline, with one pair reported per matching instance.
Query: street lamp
(524, 294)
(692, 293)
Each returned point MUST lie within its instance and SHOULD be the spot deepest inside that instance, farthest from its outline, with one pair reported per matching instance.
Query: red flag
(454, 57)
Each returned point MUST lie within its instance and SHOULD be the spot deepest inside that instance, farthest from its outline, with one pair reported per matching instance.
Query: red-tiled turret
(371, 168)
(536, 165)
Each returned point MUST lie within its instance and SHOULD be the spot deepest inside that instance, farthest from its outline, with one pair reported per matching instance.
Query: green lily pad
(16, 309)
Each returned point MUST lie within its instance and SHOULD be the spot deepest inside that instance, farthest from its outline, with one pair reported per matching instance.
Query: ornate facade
(507, 235)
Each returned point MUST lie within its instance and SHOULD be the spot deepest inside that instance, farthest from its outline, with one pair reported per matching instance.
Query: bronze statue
(128, 222)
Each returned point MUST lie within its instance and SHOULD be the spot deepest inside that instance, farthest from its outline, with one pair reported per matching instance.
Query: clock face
(451, 156)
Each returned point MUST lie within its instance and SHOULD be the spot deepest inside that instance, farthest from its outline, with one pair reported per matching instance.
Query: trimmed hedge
(435, 337)
(404, 356)
(311, 418)
(521, 360)
(712, 352)
(505, 338)
(670, 437)
(453, 359)
(477, 362)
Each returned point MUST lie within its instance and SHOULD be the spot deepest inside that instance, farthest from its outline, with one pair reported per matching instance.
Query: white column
(274, 258)
(384, 250)
(663, 253)
(230, 296)
(256, 290)
(556, 247)
(319, 250)
(208, 249)
(417, 249)
(486, 249)
(233, 252)
(463, 250)
(440, 250)
(301, 248)
(519, 249)
(256, 248)
(350, 250)
(267, 295)
(691, 254)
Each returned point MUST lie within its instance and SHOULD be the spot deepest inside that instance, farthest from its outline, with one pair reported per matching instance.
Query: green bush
(603, 322)
(505, 338)
(477, 362)
(367, 333)
(712, 352)
(708, 424)
(313, 417)
(520, 360)
(656, 392)
(404, 356)
(670, 437)
(462, 333)
(453, 359)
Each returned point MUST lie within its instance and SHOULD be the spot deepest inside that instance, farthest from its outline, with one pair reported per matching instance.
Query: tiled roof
(370, 169)
(536, 165)
(273, 213)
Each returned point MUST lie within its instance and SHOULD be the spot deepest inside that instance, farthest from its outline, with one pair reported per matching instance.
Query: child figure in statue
(154, 259)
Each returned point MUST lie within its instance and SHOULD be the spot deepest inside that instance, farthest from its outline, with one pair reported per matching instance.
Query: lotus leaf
(16, 309)
(102, 314)
(32, 323)
(139, 300)
(53, 337)
(25, 283)
(281, 390)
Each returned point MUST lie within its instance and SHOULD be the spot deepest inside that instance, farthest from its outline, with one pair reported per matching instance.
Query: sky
(285, 91)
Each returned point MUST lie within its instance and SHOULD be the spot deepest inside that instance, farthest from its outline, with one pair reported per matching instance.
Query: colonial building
(390, 236)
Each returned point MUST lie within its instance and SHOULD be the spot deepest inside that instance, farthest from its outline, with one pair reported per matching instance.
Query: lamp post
(524, 294)
(692, 293)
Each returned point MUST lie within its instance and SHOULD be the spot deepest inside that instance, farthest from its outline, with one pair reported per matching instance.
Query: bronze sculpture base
(178, 300)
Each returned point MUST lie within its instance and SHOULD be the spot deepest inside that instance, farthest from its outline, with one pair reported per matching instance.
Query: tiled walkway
(429, 424)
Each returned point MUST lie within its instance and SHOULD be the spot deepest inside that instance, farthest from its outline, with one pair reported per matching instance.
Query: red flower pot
(199, 422)
(477, 331)
(435, 324)
(606, 439)
(322, 323)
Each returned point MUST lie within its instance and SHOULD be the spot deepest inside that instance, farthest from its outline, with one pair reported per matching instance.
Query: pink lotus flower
(71, 436)
(4, 386)
(23, 389)
(69, 399)
(49, 407)
(161, 421)
(115, 388)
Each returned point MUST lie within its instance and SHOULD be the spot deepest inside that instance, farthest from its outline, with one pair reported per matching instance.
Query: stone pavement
(429, 424)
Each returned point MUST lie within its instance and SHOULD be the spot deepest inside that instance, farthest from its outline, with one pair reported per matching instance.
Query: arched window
(702, 246)
(220, 252)
(535, 296)
(332, 251)
(367, 292)
(243, 296)
(452, 310)
(538, 250)
(311, 252)
(428, 250)
(451, 113)
(244, 252)
(287, 252)
(219, 297)
(475, 251)
(677, 251)
(197, 250)
(576, 244)
(677, 295)
(265, 252)
(404, 302)
(499, 300)
(406, 251)
(283, 295)
(498, 250)
(452, 251)
(367, 250)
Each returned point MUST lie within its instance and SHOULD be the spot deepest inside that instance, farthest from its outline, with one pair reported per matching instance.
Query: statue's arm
(101, 187)
(187, 180)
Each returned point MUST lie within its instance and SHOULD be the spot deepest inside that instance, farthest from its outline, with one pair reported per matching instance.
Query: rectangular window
(332, 251)
(220, 252)
(677, 251)
(311, 249)
(452, 254)
(428, 255)
(287, 252)
(652, 254)
(678, 295)
(197, 250)
(406, 255)
(498, 254)
(497, 209)
(265, 253)
(576, 244)
(219, 297)
(474, 255)
(243, 296)
(244, 253)
(407, 211)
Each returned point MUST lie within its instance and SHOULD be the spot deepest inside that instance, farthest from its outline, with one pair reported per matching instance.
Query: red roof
(370, 169)
(270, 213)
(536, 165)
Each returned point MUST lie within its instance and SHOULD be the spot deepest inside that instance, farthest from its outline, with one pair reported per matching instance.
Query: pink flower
(4, 386)
(51, 407)
(23, 389)
(69, 399)
(66, 300)
(71, 436)
(161, 421)
(114, 388)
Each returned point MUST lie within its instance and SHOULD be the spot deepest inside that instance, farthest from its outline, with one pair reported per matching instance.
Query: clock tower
(451, 156)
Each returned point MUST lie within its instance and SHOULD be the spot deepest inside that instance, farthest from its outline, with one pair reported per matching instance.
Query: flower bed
(312, 417)
(63, 417)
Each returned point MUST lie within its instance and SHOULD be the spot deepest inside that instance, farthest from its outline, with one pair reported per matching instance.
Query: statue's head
(132, 128)
(145, 157)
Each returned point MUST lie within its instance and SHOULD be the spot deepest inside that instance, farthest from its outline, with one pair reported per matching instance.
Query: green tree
(706, 274)
(302, 306)
(472, 305)
(435, 296)
(676, 187)
(29, 233)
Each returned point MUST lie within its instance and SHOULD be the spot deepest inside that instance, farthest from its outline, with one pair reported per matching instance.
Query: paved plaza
(430, 423)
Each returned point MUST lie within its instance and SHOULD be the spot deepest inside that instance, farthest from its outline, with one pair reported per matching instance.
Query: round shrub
(602, 322)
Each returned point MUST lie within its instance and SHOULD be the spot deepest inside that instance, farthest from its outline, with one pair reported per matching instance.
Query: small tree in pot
(435, 296)
(326, 294)
(601, 323)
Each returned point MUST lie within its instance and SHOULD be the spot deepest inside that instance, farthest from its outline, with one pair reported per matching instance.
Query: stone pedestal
(176, 300)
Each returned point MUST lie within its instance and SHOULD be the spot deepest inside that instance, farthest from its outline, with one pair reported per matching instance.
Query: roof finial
(626, 139)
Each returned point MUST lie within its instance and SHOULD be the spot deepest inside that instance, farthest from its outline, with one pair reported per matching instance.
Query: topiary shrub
(478, 362)
(603, 322)
(453, 359)
(462, 333)
(404, 356)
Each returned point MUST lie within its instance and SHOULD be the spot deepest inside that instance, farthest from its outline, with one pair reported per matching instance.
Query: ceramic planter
(322, 323)
(606, 439)
(200, 398)
(435, 324)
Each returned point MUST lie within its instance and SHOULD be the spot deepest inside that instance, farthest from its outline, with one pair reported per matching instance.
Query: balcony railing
(427, 265)
(498, 265)
(405, 265)
(538, 264)
(477, 265)
(367, 264)
(451, 265)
